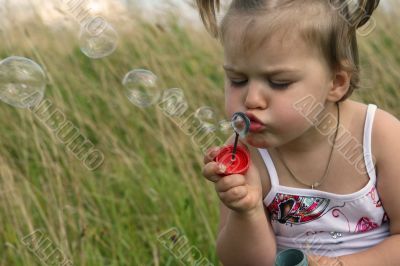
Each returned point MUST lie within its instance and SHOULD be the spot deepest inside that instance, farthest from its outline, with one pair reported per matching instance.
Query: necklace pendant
(316, 184)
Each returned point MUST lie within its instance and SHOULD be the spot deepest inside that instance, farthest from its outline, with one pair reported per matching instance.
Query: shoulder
(386, 130)
(386, 146)
(385, 125)
(385, 138)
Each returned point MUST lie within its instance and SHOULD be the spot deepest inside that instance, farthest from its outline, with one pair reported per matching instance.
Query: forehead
(246, 44)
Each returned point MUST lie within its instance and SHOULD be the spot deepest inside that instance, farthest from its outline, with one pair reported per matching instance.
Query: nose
(256, 96)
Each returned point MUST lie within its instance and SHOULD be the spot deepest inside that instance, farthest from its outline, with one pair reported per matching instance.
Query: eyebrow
(267, 72)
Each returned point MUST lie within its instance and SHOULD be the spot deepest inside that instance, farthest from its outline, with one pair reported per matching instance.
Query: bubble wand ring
(241, 125)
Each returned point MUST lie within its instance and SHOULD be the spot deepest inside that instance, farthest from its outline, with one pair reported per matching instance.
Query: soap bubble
(96, 26)
(240, 123)
(207, 117)
(225, 126)
(141, 87)
(22, 82)
(98, 42)
(173, 102)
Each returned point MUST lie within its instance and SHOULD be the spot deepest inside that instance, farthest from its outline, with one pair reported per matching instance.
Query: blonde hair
(331, 25)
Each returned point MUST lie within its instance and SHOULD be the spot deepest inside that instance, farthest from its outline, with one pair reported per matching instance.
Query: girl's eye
(279, 85)
(238, 82)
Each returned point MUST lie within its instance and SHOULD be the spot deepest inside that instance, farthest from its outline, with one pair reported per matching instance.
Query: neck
(314, 136)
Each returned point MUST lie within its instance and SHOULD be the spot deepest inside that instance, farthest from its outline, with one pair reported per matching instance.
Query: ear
(340, 85)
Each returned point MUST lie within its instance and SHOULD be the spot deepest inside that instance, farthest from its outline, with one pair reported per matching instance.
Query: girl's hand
(241, 193)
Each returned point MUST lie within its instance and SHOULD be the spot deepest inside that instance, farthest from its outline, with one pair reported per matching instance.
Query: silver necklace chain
(317, 183)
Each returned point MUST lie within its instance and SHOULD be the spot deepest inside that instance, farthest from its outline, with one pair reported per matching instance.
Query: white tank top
(325, 223)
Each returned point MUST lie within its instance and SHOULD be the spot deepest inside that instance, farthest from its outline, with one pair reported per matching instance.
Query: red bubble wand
(236, 158)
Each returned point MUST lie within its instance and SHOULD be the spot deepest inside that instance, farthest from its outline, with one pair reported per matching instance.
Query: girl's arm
(246, 238)
(386, 142)
(384, 254)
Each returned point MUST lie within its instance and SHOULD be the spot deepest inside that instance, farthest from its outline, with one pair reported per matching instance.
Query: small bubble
(173, 102)
(22, 82)
(225, 126)
(207, 117)
(141, 87)
(98, 44)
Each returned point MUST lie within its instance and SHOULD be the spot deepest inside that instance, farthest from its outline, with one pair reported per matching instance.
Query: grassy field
(149, 188)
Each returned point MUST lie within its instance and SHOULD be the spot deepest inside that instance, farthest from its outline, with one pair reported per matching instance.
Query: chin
(258, 142)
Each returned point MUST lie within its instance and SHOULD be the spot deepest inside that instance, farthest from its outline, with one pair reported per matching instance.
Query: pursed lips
(255, 124)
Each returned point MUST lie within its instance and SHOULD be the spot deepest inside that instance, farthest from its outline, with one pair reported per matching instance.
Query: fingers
(231, 188)
(213, 170)
(234, 194)
(229, 182)
(210, 154)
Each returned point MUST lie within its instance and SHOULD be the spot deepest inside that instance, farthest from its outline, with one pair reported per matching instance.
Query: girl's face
(266, 83)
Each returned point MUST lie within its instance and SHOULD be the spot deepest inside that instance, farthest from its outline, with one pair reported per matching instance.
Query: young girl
(324, 176)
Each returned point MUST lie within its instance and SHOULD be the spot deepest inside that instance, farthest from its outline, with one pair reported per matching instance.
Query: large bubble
(241, 124)
(98, 39)
(22, 82)
(207, 117)
(141, 87)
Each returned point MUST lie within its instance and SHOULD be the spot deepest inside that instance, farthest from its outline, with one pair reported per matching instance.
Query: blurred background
(147, 203)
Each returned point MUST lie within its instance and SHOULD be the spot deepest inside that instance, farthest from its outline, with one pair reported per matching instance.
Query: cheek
(232, 102)
(317, 86)
(228, 106)
(289, 119)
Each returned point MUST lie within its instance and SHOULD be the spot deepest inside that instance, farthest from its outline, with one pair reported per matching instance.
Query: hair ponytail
(368, 7)
(208, 12)
(356, 12)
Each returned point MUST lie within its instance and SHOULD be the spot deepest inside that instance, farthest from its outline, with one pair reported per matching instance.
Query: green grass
(150, 180)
